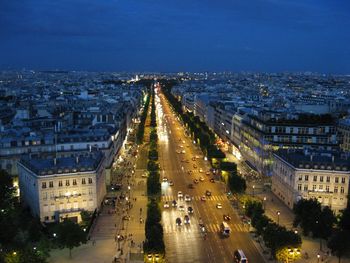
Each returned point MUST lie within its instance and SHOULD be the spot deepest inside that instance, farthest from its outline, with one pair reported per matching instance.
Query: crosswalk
(168, 198)
(210, 228)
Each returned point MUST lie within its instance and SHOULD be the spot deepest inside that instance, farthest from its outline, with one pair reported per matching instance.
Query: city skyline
(256, 36)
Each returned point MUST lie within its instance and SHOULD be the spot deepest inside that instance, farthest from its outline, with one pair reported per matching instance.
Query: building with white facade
(59, 188)
(301, 174)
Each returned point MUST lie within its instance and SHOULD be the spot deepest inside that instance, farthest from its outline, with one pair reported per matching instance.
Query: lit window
(43, 185)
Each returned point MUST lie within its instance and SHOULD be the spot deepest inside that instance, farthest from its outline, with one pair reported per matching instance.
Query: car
(183, 160)
(181, 208)
(197, 157)
(207, 193)
(166, 205)
(178, 221)
(190, 186)
(126, 217)
(190, 210)
(181, 146)
(200, 170)
(201, 179)
(149, 257)
(174, 203)
(207, 172)
(193, 158)
(180, 194)
(189, 172)
(186, 219)
(177, 151)
(183, 141)
(171, 183)
(196, 181)
(165, 179)
(202, 228)
(188, 198)
(183, 151)
(226, 217)
(219, 205)
(194, 166)
(203, 198)
(144, 175)
(212, 180)
(156, 256)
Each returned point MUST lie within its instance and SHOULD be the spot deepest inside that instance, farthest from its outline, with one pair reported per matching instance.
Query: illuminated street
(187, 242)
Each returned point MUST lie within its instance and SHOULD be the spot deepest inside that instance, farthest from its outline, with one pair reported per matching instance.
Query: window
(306, 188)
(335, 189)
(45, 196)
(327, 188)
(90, 191)
(51, 184)
(46, 218)
(342, 190)
(83, 181)
(67, 182)
(315, 178)
(43, 185)
(320, 187)
(74, 182)
(90, 180)
(52, 217)
(328, 179)
(321, 178)
(300, 177)
(299, 187)
(343, 180)
(306, 178)
(314, 187)
(60, 183)
(336, 180)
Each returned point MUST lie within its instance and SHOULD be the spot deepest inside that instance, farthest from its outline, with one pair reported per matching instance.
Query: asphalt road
(187, 243)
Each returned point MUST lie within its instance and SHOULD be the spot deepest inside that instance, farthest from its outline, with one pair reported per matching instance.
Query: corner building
(60, 188)
(301, 174)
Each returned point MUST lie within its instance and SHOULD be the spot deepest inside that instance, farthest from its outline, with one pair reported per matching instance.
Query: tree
(307, 215)
(7, 190)
(236, 183)
(339, 243)
(325, 225)
(70, 235)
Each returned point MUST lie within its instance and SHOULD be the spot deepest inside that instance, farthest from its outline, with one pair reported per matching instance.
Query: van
(225, 229)
(240, 257)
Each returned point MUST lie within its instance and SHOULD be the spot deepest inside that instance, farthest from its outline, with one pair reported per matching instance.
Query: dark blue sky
(176, 35)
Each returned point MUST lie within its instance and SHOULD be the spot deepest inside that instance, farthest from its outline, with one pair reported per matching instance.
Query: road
(186, 243)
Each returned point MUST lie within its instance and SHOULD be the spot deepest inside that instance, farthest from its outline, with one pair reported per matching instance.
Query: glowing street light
(278, 217)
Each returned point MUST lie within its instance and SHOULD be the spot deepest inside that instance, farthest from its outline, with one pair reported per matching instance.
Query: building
(59, 188)
(320, 175)
(258, 133)
(344, 134)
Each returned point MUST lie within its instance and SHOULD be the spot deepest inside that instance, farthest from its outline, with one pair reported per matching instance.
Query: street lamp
(264, 202)
(253, 189)
(54, 234)
(278, 217)
(318, 257)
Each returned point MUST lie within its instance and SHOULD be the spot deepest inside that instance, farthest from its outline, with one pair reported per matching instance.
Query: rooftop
(315, 160)
(63, 165)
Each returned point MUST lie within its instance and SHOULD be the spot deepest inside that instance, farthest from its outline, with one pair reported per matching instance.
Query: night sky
(176, 35)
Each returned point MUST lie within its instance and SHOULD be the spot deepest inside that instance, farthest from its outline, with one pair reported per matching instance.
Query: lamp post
(278, 217)
(318, 257)
(253, 190)
(264, 202)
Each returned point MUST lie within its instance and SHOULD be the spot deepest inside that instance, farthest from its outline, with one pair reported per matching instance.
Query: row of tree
(320, 222)
(153, 229)
(277, 238)
(141, 127)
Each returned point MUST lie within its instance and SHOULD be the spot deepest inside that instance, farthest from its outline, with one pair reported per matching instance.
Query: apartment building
(59, 188)
(344, 134)
(258, 133)
(320, 175)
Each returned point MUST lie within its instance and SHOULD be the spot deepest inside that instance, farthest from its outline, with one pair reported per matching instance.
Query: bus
(225, 229)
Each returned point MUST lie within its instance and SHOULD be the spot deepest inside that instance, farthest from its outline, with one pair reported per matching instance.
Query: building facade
(301, 174)
(59, 188)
